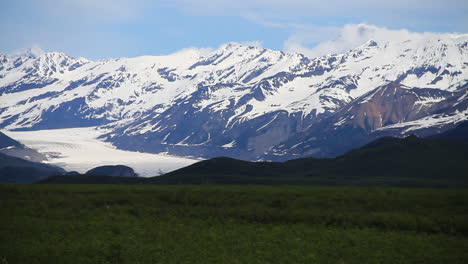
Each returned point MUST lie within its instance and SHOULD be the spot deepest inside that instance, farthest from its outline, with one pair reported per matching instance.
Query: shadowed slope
(408, 162)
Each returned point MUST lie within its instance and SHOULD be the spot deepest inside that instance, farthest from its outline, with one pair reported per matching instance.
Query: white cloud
(448, 15)
(203, 51)
(345, 38)
(35, 50)
(93, 26)
(318, 27)
(311, 7)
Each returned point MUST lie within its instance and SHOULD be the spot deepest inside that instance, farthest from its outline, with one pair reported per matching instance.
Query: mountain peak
(56, 55)
(231, 45)
(369, 44)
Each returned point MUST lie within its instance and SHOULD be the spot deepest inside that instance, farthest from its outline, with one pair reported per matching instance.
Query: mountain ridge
(238, 101)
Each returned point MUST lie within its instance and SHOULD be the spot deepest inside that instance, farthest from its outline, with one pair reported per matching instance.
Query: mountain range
(244, 101)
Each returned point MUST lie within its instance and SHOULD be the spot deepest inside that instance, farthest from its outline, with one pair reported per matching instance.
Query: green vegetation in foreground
(231, 224)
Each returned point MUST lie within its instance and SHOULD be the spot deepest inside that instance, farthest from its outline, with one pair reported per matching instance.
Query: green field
(231, 224)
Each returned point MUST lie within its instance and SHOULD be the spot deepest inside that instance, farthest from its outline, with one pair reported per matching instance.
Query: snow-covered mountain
(243, 101)
(389, 110)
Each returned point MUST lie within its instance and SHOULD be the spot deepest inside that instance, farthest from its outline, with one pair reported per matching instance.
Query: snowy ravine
(77, 149)
(242, 101)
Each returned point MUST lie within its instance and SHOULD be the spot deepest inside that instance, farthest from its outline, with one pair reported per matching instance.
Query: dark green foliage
(231, 224)
(93, 179)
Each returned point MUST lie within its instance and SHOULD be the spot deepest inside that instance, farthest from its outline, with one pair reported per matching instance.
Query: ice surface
(78, 149)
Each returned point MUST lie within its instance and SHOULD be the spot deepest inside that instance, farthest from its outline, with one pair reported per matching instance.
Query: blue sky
(98, 29)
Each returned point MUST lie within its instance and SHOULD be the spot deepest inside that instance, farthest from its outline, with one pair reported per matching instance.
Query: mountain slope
(16, 170)
(387, 110)
(459, 133)
(6, 141)
(408, 162)
(14, 148)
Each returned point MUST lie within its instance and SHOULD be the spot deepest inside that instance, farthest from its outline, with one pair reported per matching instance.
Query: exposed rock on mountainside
(392, 109)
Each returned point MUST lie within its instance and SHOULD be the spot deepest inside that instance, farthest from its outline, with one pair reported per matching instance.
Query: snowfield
(78, 149)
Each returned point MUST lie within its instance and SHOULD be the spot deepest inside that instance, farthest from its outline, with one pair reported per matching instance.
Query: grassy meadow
(231, 224)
